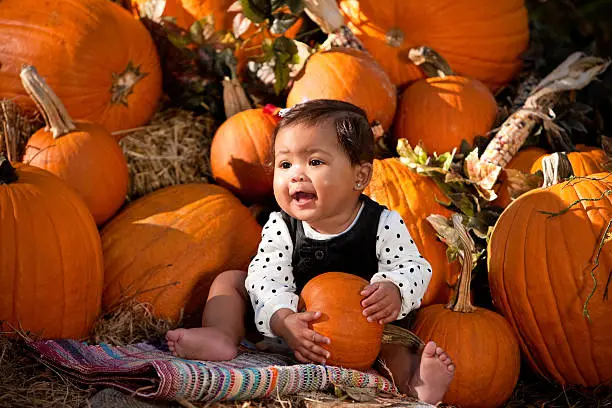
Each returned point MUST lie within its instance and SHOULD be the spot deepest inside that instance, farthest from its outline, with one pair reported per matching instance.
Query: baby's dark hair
(351, 123)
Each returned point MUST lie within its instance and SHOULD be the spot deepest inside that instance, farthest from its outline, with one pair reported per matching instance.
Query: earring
(358, 186)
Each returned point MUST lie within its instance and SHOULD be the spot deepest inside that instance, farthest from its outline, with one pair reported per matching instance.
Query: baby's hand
(383, 302)
(303, 340)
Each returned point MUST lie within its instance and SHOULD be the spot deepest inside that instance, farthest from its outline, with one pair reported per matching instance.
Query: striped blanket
(148, 371)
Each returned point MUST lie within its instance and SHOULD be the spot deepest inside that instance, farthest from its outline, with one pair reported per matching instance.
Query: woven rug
(147, 371)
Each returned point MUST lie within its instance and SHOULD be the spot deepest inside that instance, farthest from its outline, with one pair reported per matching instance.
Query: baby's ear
(363, 174)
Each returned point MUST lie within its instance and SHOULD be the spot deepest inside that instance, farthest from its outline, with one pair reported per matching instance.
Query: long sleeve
(400, 262)
(270, 282)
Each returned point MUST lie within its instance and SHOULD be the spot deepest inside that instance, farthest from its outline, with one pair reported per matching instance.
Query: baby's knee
(230, 279)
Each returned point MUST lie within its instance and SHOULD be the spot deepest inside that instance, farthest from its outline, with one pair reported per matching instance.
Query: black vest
(352, 252)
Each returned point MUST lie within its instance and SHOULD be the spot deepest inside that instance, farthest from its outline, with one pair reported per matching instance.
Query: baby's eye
(284, 165)
(315, 162)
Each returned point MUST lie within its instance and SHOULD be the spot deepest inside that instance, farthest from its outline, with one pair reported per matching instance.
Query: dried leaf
(520, 183)
(236, 7)
(240, 24)
(361, 394)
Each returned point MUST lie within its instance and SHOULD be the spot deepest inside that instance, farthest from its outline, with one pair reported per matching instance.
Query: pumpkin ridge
(529, 301)
(555, 312)
(339, 75)
(508, 306)
(586, 270)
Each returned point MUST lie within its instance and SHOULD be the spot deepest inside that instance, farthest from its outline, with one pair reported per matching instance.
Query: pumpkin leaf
(179, 40)
(282, 22)
(256, 10)
(284, 52)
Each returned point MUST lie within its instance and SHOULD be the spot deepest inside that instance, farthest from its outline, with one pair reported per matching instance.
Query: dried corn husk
(576, 72)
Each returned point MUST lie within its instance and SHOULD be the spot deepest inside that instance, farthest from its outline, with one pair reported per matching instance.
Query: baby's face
(313, 177)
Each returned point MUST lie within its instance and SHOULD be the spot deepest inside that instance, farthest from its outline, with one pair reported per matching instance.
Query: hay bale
(172, 149)
(16, 127)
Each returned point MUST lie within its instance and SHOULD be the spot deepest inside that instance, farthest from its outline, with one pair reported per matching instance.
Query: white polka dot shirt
(271, 286)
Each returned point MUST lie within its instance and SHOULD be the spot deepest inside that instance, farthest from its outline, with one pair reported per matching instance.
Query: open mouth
(302, 197)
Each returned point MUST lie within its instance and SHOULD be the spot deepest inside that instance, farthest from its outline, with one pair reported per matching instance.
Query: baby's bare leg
(222, 322)
(426, 377)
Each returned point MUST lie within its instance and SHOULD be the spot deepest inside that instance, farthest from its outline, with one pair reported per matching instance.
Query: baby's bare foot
(435, 372)
(201, 343)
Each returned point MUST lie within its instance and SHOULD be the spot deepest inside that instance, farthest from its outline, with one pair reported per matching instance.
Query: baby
(323, 154)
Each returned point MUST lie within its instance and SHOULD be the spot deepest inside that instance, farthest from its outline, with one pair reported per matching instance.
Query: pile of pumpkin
(71, 249)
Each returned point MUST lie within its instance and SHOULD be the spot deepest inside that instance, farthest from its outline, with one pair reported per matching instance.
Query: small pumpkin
(540, 259)
(522, 161)
(444, 109)
(51, 271)
(82, 153)
(100, 61)
(240, 154)
(347, 75)
(167, 247)
(355, 342)
(481, 342)
(414, 197)
(585, 161)
(479, 38)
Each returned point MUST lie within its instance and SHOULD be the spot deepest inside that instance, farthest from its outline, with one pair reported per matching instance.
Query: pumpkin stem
(53, 110)
(234, 97)
(432, 63)
(461, 302)
(556, 168)
(124, 83)
(8, 174)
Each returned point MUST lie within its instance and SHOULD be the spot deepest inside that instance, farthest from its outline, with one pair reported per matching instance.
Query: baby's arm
(400, 262)
(271, 287)
(270, 282)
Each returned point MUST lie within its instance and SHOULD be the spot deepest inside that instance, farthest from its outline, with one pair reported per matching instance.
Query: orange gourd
(167, 247)
(240, 154)
(414, 197)
(524, 159)
(444, 109)
(540, 278)
(479, 38)
(585, 161)
(51, 271)
(355, 342)
(82, 153)
(100, 61)
(481, 342)
(350, 76)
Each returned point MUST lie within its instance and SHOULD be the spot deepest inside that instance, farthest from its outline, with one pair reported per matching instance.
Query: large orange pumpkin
(167, 247)
(51, 271)
(100, 61)
(350, 76)
(441, 112)
(522, 161)
(479, 38)
(540, 278)
(585, 161)
(83, 154)
(240, 154)
(355, 342)
(414, 196)
(481, 342)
